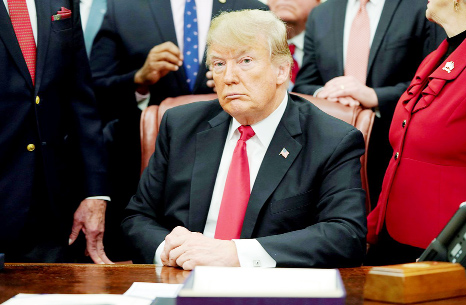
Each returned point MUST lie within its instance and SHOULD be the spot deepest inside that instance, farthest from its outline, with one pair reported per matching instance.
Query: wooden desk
(116, 279)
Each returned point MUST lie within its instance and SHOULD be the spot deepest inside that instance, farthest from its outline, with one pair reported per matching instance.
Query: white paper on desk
(153, 290)
(75, 299)
(264, 282)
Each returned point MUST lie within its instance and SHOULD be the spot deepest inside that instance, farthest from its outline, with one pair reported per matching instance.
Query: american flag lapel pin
(284, 153)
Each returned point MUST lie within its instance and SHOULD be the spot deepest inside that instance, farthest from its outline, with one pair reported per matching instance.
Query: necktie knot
(246, 132)
(363, 3)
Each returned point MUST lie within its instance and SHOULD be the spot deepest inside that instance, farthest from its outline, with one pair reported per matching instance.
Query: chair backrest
(152, 116)
(362, 119)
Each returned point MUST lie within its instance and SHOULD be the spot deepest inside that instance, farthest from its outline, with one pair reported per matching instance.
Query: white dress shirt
(374, 10)
(204, 15)
(250, 252)
(85, 10)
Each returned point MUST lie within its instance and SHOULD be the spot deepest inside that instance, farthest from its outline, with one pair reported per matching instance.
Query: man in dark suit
(401, 37)
(285, 192)
(137, 59)
(52, 161)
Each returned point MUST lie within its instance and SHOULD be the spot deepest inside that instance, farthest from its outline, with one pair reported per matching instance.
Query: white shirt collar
(372, 2)
(298, 40)
(264, 129)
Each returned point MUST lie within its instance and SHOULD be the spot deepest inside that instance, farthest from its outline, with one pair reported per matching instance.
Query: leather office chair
(362, 119)
(151, 118)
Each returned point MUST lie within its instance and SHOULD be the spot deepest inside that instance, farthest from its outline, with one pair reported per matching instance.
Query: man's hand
(210, 81)
(161, 59)
(90, 218)
(188, 249)
(349, 91)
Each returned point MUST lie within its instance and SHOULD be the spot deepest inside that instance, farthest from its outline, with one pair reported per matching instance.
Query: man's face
(292, 11)
(247, 81)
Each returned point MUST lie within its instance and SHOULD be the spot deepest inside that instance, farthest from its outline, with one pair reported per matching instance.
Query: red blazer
(425, 181)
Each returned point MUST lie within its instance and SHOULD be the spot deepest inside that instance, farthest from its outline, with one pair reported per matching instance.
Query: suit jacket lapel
(339, 14)
(274, 166)
(7, 34)
(44, 14)
(163, 18)
(385, 19)
(209, 150)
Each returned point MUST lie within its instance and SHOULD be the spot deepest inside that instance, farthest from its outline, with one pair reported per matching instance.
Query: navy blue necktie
(191, 43)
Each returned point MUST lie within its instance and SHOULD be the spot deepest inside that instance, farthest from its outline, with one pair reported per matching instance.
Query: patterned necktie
(357, 56)
(295, 68)
(190, 43)
(19, 16)
(237, 190)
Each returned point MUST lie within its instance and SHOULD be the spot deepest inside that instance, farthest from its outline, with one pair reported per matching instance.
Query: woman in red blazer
(425, 181)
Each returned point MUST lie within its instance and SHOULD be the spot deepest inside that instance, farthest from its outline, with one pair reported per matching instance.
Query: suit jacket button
(31, 147)
(37, 100)
(403, 124)
(397, 155)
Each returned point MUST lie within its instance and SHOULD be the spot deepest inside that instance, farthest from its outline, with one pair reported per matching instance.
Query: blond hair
(247, 27)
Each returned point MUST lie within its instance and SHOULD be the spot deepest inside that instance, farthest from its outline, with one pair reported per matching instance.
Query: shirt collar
(298, 40)
(373, 2)
(264, 129)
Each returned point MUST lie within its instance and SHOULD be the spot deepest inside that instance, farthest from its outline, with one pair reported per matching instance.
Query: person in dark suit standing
(390, 40)
(255, 170)
(139, 58)
(52, 162)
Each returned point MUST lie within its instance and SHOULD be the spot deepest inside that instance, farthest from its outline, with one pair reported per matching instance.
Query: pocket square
(63, 13)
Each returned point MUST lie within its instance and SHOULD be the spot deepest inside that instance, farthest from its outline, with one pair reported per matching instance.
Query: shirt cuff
(158, 252)
(142, 99)
(106, 198)
(252, 254)
(317, 91)
(377, 112)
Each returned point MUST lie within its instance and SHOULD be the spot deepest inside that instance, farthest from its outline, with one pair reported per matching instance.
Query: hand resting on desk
(188, 249)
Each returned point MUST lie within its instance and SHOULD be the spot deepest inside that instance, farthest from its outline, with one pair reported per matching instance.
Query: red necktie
(357, 56)
(19, 16)
(237, 190)
(295, 68)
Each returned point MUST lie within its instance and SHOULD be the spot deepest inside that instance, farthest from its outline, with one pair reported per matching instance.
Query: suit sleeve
(86, 120)
(114, 90)
(336, 237)
(143, 224)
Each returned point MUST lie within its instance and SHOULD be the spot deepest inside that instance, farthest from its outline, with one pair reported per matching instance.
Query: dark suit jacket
(306, 210)
(403, 38)
(64, 123)
(129, 31)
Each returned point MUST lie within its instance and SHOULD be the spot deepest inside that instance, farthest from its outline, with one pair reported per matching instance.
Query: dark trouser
(388, 251)
(42, 239)
(122, 139)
